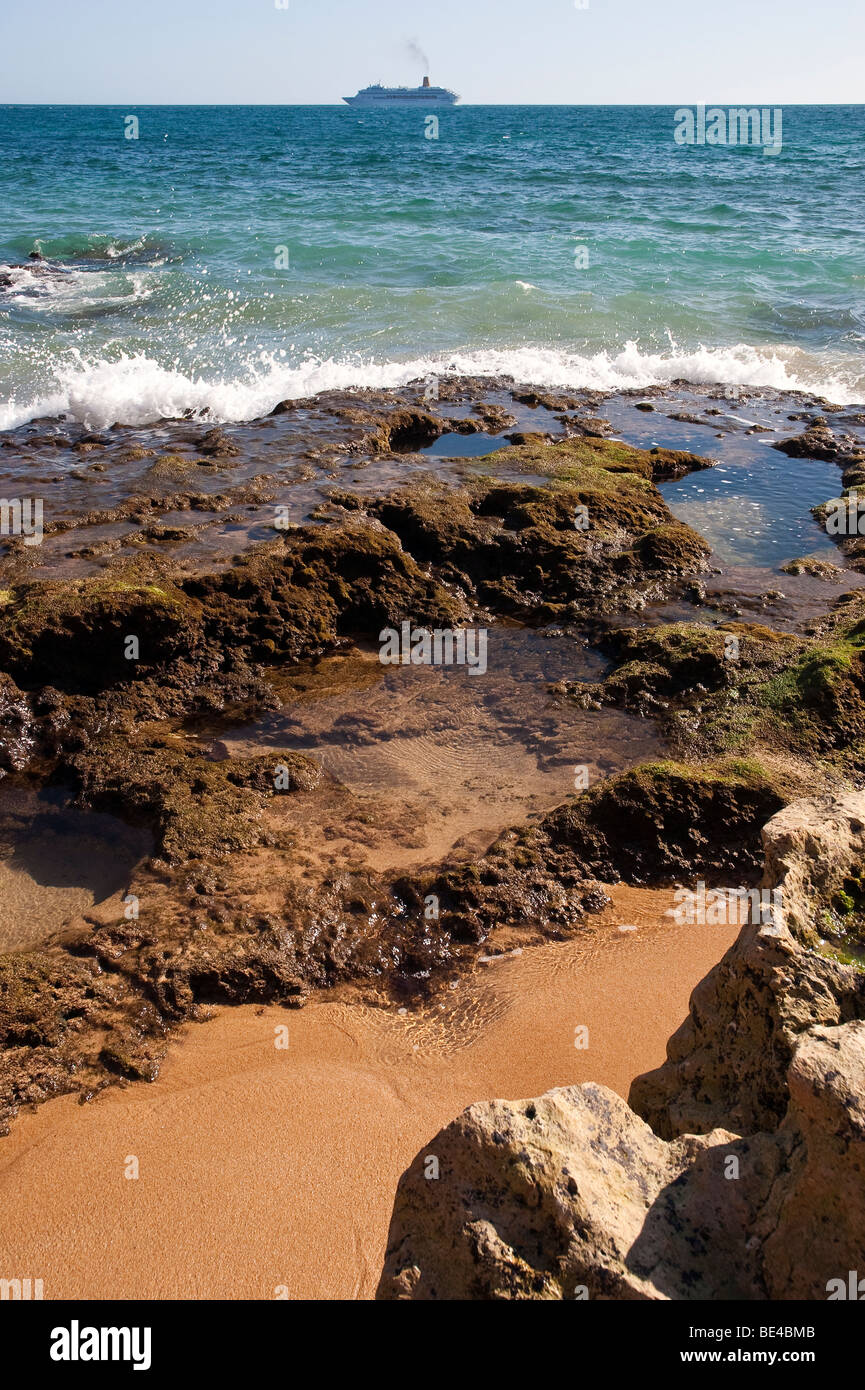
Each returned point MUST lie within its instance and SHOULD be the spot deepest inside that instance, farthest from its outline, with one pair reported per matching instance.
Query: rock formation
(747, 1180)
(728, 1062)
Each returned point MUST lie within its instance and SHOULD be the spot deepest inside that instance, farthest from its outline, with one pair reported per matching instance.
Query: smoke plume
(417, 55)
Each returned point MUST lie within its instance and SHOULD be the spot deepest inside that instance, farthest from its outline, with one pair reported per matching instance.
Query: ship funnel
(426, 81)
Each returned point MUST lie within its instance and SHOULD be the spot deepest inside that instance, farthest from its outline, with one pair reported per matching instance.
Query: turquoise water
(407, 256)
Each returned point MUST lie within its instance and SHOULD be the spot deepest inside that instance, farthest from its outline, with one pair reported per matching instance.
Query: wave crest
(136, 390)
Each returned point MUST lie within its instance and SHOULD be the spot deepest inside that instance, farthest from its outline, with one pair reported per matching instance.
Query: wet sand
(269, 1172)
(56, 862)
(30, 911)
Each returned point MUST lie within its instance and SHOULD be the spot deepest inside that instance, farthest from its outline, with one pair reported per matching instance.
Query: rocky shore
(240, 559)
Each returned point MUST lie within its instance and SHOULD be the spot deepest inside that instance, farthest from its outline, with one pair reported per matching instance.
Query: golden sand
(268, 1171)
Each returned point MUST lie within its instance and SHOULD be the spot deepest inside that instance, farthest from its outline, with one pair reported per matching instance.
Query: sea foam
(138, 390)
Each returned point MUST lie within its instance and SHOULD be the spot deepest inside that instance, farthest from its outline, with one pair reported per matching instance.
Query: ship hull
(384, 97)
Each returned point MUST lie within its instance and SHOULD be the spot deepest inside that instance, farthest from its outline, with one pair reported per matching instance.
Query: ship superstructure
(424, 96)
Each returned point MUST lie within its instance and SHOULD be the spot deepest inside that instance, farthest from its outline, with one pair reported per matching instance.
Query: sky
(283, 52)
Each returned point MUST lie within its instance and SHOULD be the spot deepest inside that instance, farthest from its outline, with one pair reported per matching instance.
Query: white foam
(29, 283)
(113, 251)
(138, 390)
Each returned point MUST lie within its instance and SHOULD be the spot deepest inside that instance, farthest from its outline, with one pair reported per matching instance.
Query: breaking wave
(137, 390)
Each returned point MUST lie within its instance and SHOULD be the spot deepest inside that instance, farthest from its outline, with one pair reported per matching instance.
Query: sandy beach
(270, 1172)
(432, 566)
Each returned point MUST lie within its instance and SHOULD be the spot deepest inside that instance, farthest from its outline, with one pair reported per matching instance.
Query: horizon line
(493, 105)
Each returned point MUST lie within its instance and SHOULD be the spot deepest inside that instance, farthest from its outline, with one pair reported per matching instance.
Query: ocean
(230, 257)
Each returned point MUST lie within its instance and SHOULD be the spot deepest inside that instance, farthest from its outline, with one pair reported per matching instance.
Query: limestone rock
(749, 1183)
(810, 848)
(728, 1061)
(816, 1217)
(572, 1196)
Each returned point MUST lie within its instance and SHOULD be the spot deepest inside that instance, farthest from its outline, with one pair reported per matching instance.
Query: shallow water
(754, 506)
(444, 757)
(464, 446)
(56, 862)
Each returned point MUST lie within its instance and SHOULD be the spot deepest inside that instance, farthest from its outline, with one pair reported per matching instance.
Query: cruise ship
(424, 95)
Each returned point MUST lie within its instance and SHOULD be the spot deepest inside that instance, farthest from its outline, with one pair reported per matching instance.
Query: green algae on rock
(548, 532)
(746, 689)
(512, 549)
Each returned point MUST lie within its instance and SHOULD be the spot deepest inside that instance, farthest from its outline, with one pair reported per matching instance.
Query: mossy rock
(575, 459)
(40, 998)
(673, 657)
(295, 598)
(669, 822)
(193, 806)
(75, 635)
(822, 696)
(673, 548)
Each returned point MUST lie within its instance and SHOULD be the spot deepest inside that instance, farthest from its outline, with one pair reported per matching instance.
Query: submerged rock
(813, 565)
(819, 441)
